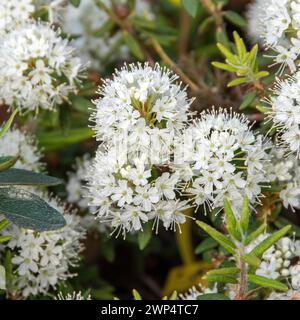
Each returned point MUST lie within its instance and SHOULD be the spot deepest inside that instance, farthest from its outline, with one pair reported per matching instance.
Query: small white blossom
(72, 296)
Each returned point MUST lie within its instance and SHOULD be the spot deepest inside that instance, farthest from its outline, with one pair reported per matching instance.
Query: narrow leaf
(248, 99)
(266, 282)
(24, 178)
(4, 239)
(205, 245)
(218, 236)
(253, 235)
(144, 236)
(252, 260)
(7, 162)
(191, 6)
(7, 125)
(238, 81)
(235, 18)
(212, 296)
(220, 278)
(245, 215)
(224, 271)
(230, 219)
(267, 243)
(133, 45)
(136, 295)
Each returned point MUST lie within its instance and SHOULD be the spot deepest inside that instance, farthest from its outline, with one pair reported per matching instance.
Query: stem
(242, 286)
(184, 34)
(166, 59)
(215, 12)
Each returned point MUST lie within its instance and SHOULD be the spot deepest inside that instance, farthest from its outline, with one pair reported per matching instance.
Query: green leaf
(136, 295)
(220, 278)
(75, 3)
(245, 215)
(3, 223)
(206, 245)
(266, 282)
(253, 235)
(174, 296)
(224, 66)
(252, 260)
(82, 104)
(4, 239)
(235, 18)
(191, 6)
(261, 74)
(29, 211)
(240, 45)
(248, 99)
(230, 220)
(7, 162)
(133, 45)
(59, 139)
(238, 81)
(27, 178)
(267, 243)
(212, 296)
(218, 236)
(2, 278)
(7, 125)
(224, 271)
(226, 53)
(144, 236)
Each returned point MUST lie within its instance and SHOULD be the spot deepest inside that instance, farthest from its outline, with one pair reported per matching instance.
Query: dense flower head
(276, 22)
(87, 20)
(42, 260)
(289, 295)
(38, 68)
(196, 291)
(280, 261)
(285, 113)
(141, 106)
(226, 158)
(284, 172)
(18, 143)
(128, 194)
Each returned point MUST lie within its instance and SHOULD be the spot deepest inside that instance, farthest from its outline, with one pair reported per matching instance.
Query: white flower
(37, 66)
(146, 197)
(268, 270)
(72, 296)
(17, 143)
(43, 260)
(226, 158)
(87, 19)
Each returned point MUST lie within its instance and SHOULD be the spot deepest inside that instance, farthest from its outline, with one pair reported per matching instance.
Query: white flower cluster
(226, 159)
(137, 116)
(72, 296)
(38, 68)
(277, 23)
(285, 114)
(285, 173)
(41, 260)
(281, 260)
(86, 22)
(127, 197)
(16, 143)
